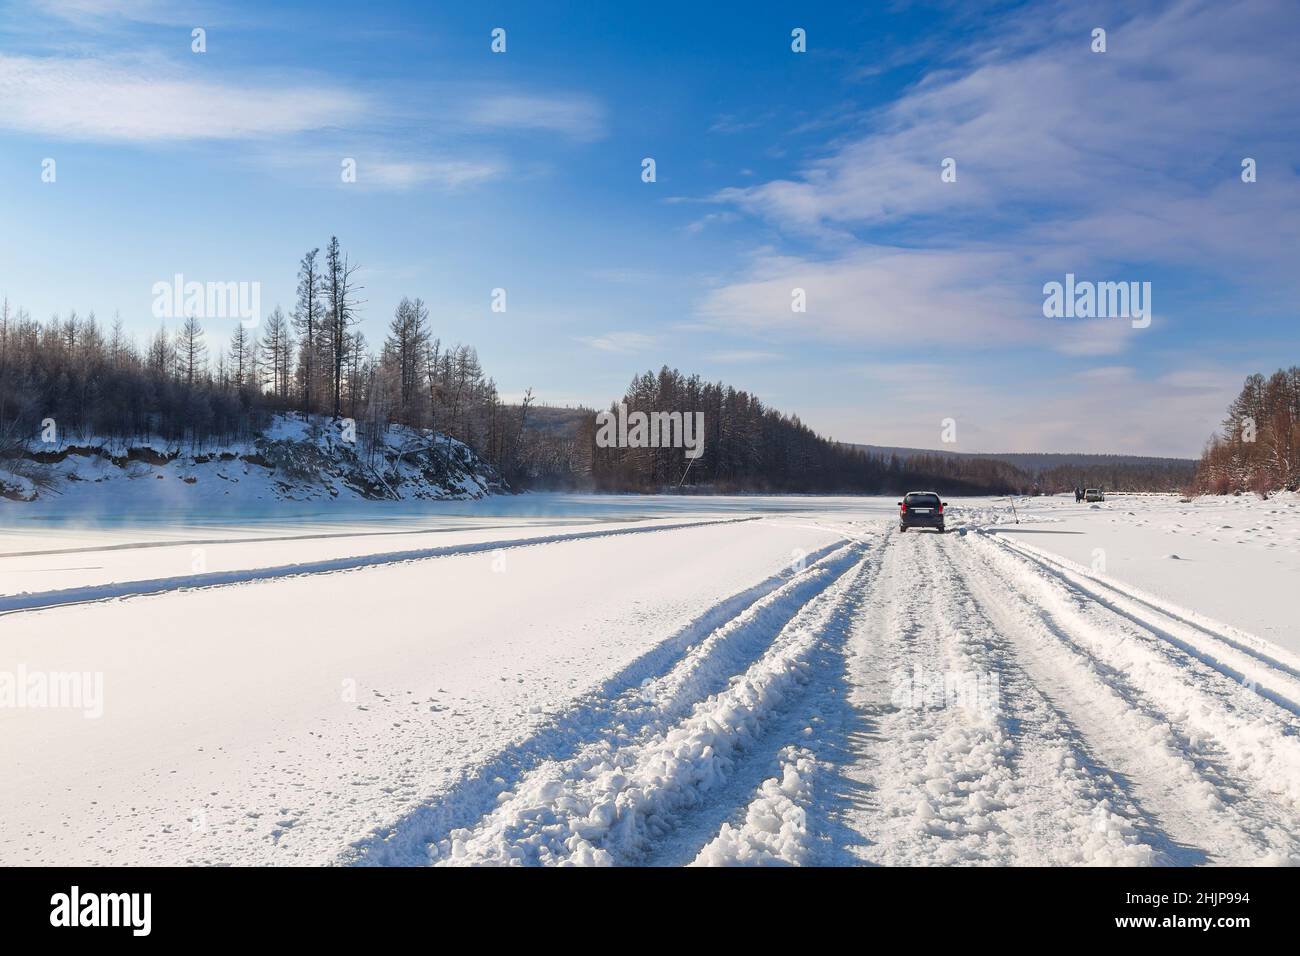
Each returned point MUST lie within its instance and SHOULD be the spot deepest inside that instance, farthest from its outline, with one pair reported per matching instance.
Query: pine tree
(275, 348)
(191, 350)
(242, 358)
(340, 295)
(308, 316)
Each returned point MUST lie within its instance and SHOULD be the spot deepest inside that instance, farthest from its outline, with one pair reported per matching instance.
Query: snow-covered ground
(624, 680)
(295, 458)
(1232, 558)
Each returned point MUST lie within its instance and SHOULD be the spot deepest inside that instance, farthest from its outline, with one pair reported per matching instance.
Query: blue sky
(775, 170)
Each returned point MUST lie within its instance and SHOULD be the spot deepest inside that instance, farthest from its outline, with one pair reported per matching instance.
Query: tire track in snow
(1242, 657)
(778, 807)
(619, 798)
(1152, 769)
(43, 600)
(967, 762)
(1064, 806)
(279, 539)
(1216, 763)
(644, 698)
(929, 770)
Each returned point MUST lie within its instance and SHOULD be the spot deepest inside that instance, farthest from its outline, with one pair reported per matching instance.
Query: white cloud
(1106, 409)
(742, 356)
(699, 225)
(619, 341)
(151, 99)
(887, 296)
(729, 124)
(577, 116)
(1106, 374)
(1067, 161)
(91, 99)
(95, 12)
(1062, 126)
(444, 174)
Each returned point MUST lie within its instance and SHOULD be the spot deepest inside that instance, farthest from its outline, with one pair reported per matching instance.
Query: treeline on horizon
(1258, 448)
(750, 447)
(190, 391)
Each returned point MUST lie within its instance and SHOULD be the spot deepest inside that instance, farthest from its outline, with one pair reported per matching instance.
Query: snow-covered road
(798, 685)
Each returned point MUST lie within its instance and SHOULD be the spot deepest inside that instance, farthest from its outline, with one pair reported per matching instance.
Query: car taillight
(941, 508)
(904, 508)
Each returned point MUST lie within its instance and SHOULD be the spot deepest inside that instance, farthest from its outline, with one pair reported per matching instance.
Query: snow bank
(295, 458)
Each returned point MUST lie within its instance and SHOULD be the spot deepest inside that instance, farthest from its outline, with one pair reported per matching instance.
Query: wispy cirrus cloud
(146, 98)
(575, 115)
(741, 356)
(149, 100)
(1032, 410)
(1067, 160)
(442, 173)
(100, 12)
(1058, 124)
(880, 296)
(303, 123)
(728, 125)
(624, 342)
(376, 167)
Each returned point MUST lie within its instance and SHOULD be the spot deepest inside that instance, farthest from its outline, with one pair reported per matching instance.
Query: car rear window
(922, 501)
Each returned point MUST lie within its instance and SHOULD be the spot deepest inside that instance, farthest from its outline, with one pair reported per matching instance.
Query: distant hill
(566, 421)
(954, 472)
(1033, 461)
(1055, 472)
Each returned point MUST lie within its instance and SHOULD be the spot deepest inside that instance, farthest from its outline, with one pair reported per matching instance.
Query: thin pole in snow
(686, 472)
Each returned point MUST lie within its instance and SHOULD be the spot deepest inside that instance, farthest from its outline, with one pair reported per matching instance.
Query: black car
(921, 509)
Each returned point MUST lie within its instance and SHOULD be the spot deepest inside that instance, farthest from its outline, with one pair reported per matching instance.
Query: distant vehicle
(921, 509)
(1093, 494)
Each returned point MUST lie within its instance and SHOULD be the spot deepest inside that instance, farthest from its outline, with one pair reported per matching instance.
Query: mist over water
(492, 511)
